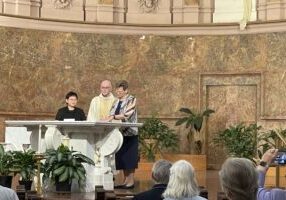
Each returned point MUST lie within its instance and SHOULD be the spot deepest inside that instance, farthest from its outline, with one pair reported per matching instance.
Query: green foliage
(239, 140)
(25, 164)
(155, 136)
(6, 162)
(270, 139)
(194, 122)
(65, 165)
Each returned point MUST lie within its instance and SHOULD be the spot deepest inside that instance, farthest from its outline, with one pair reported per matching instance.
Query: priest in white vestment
(100, 105)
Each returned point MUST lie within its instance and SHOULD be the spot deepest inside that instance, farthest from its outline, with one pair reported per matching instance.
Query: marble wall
(242, 77)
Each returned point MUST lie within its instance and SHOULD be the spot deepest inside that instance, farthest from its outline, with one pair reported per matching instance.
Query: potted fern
(63, 165)
(194, 122)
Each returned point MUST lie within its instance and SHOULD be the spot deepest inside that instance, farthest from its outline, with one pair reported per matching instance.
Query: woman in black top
(71, 111)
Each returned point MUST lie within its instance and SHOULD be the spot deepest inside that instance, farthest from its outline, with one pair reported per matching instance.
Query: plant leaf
(59, 170)
(181, 121)
(207, 112)
(186, 110)
(63, 177)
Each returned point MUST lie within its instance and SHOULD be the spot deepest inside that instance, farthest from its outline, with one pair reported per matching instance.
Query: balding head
(105, 87)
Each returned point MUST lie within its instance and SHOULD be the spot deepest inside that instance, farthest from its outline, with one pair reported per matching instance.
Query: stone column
(1, 6)
(148, 12)
(178, 11)
(185, 13)
(120, 11)
(91, 10)
(17, 7)
(283, 9)
(100, 11)
(35, 8)
(274, 9)
(261, 10)
(206, 11)
(69, 10)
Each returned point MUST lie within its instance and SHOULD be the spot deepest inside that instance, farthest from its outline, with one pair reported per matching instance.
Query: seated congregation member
(7, 194)
(238, 178)
(241, 180)
(265, 194)
(182, 183)
(160, 175)
(70, 111)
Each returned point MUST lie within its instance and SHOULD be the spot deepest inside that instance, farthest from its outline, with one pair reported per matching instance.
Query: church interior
(223, 61)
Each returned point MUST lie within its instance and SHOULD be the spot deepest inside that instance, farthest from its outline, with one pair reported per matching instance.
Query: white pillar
(17, 7)
(99, 12)
(119, 11)
(206, 11)
(185, 14)
(261, 10)
(274, 10)
(91, 10)
(30, 8)
(1, 6)
(35, 8)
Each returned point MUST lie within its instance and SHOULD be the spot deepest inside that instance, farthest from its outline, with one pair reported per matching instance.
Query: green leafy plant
(270, 139)
(63, 165)
(155, 136)
(6, 162)
(194, 122)
(239, 140)
(25, 164)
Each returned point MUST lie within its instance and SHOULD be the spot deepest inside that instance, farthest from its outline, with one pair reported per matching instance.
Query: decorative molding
(61, 4)
(148, 6)
(84, 27)
(227, 79)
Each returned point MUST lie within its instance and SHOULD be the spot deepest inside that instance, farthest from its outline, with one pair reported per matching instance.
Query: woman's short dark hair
(71, 94)
(123, 84)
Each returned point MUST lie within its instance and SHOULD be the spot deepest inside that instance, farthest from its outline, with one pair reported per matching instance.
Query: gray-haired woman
(182, 183)
(239, 179)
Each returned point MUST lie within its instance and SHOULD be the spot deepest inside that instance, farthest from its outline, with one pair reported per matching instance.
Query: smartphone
(281, 158)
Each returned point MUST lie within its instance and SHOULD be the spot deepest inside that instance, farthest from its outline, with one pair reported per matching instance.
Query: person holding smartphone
(266, 194)
(241, 180)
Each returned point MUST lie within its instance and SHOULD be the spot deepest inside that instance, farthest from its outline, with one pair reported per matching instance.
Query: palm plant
(64, 165)
(271, 139)
(194, 122)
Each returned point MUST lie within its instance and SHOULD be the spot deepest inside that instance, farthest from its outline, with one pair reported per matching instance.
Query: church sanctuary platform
(211, 73)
